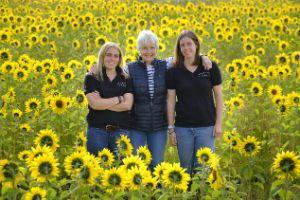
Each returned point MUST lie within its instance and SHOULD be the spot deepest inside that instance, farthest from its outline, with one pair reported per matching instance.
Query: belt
(111, 128)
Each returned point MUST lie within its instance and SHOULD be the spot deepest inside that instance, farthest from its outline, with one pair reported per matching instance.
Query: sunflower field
(48, 46)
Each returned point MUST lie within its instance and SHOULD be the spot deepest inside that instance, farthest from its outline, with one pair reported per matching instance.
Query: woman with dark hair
(109, 95)
(198, 120)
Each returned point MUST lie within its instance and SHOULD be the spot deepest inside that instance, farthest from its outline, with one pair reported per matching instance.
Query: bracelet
(119, 98)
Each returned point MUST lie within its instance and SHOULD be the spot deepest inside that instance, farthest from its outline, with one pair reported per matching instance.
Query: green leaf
(275, 184)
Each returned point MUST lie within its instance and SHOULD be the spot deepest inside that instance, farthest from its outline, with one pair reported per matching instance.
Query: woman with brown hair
(198, 120)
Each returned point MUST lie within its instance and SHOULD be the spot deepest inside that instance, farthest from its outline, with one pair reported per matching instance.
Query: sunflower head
(8, 170)
(204, 155)
(144, 154)
(176, 177)
(124, 146)
(286, 165)
(249, 146)
(106, 157)
(47, 137)
(114, 178)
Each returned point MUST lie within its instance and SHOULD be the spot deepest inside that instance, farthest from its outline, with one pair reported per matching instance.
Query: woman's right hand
(172, 137)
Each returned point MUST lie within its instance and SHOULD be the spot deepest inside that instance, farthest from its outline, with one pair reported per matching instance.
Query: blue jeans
(98, 139)
(156, 142)
(189, 140)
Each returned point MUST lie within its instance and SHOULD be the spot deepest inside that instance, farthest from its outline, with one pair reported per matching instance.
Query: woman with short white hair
(149, 90)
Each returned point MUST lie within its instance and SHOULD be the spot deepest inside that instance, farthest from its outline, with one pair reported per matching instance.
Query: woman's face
(188, 47)
(148, 52)
(111, 58)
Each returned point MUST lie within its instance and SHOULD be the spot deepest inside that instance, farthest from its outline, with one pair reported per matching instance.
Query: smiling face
(148, 52)
(111, 58)
(188, 48)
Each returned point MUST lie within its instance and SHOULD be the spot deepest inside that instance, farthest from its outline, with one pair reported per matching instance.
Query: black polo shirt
(107, 89)
(195, 103)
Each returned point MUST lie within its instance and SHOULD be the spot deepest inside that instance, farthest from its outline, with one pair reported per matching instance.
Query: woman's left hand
(206, 62)
(217, 130)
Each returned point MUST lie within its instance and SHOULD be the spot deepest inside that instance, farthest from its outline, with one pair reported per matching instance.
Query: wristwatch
(170, 127)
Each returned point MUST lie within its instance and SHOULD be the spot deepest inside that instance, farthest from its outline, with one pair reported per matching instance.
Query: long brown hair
(179, 57)
(99, 66)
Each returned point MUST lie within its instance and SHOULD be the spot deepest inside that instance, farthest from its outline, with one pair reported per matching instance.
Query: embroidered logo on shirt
(204, 74)
(121, 84)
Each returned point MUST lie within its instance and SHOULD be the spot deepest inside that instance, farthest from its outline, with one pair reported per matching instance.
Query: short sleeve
(170, 79)
(89, 84)
(216, 78)
(169, 61)
(129, 85)
(126, 70)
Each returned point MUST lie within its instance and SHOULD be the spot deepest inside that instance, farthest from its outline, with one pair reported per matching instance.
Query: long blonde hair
(99, 66)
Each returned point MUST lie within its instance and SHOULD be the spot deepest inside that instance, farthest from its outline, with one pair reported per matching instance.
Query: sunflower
(162, 47)
(44, 167)
(214, 179)
(36, 152)
(165, 32)
(59, 104)
(159, 170)
(228, 135)
(44, 39)
(74, 64)
(176, 177)
(17, 113)
(25, 127)
(260, 51)
(135, 177)
(150, 182)
(100, 40)
(89, 172)
(274, 90)
(248, 47)
(231, 68)
(114, 179)
(35, 193)
(51, 80)
(106, 157)
(295, 57)
(47, 137)
(124, 145)
(89, 60)
(38, 67)
(8, 170)
(32, 104)
(128, 58)
(249, 146)
(23, 155)
(5, 55)
(293, 98)
(76, 44)
(20, 74)
(144, 154)
(278, 99)
(9, 66)
(133, 161)
(66, 75)
(283, 45)
(74, 162)
(204, 156)
(283, 108)
(237, 102)
(256, 89)
(282, 59)
(80, 99)
(286, 165)
(81, 139)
